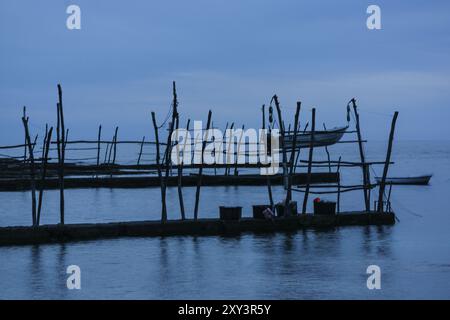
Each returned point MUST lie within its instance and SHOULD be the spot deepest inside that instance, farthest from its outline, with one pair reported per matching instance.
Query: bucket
(258, 211)
(292, 210)
(230, 213)
(325, 208)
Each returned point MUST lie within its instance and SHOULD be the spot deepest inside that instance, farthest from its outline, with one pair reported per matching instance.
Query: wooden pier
(152, 181)
(200, 227)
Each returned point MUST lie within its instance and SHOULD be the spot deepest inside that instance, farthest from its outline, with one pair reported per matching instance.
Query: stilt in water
(140, 150)
(338, 203)
(168, 151)
(32, 170)
(282, 132)
(46, 149)
(61, 152)
(115, 145)
(200, 172)
(163, 195)
(386, 164)
(291, 169)
(180, 173)
(99, 138)
(365, 171)
(263, 139)
(310, 158)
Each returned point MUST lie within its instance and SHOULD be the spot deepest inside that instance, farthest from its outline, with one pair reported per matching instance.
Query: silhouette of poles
(163, 194)
(310, 157)
(386, 164)
(47, 140)
(61, 142)
(200, 172)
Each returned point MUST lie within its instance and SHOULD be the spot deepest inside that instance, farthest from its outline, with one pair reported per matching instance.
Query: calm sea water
(414, 255)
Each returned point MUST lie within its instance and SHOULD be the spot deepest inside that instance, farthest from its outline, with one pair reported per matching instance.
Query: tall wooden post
(115, 146)
(282, 131)
(386, 164)
(310, 158)
(199, 178)
(227, 159)
(61, 152)
(140, 150)
(32, 171)
(328, 153)
(263, 139)
(167, 156)
(294, 145)
(180, 173)
(238, 150)
(98, 146)
(366, 176)
(46, 148)
(339, 186)
(163, 195)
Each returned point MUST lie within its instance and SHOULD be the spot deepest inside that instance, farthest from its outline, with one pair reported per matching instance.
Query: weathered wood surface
(154, 181)
(200, 227)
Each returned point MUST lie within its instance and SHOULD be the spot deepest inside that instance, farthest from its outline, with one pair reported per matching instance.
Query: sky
(228, 56)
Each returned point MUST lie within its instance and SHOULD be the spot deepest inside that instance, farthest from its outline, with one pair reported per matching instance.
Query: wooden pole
(238, 150)
(99, 146)
(168, 151)
(46, 149)
(263, 109)
(32, 171)
(266, 143)
(328, 153)
(228, 152)
(386, 165)
(115, 145)
(163, 195)
(366, 177)
(106, 152)
(199, 179)
(35, 141)
(140, 150)
(291, 169)
(61, 143)
(180, 174)
(281, 124)
(339, 187)
(310, 157)
(111, 145)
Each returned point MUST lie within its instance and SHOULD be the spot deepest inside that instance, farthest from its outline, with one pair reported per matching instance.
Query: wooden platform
(201, 227)
(153, 181)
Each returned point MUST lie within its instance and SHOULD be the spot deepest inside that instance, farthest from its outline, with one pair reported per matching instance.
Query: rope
(169, 114)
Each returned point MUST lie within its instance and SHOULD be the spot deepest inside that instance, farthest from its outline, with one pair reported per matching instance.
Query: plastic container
(230, 213)
(324, 208)
(258, 211)
(292, 210)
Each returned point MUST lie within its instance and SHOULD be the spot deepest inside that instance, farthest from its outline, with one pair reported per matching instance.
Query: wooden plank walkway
(201, 227)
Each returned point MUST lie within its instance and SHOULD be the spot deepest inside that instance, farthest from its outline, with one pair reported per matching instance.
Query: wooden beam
(310, 157)
(386, 166)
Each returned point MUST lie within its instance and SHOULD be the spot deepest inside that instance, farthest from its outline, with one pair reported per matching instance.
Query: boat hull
(321, 138)
(420, 180)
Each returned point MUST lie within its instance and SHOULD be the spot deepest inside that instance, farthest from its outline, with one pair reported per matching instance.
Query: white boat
(322, 138)
(419, 180)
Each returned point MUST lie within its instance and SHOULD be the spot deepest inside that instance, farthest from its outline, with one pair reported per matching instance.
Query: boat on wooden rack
(322, 138)
(419, 180)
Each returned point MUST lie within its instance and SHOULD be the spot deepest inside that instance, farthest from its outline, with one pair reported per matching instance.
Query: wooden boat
(322, 138)
(419, 180)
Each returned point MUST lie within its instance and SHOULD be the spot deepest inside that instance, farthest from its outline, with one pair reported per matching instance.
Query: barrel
(258, 210)
(230, 213)
(325, 208)
(292, 210)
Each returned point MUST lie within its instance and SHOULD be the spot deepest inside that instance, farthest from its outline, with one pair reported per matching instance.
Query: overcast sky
(226, 55)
